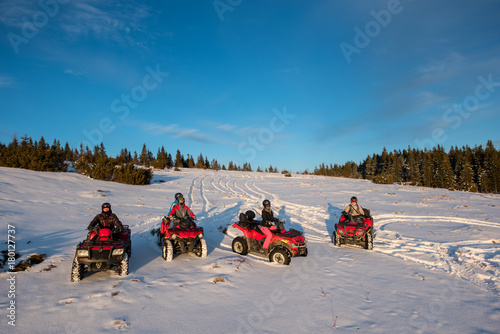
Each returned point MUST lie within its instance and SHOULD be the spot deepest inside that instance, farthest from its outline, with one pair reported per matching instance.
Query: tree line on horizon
(40, 156)
(468, 169)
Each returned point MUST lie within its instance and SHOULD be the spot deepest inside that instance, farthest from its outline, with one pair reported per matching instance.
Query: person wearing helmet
(354, 209)
(267, 223)
(106, 219)
(267, 214)
(181, 210)
(174, 203)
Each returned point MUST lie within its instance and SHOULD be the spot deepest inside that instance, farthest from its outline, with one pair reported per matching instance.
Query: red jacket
(177, 211)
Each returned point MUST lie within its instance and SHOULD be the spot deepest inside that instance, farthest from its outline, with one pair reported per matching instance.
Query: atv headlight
(341, 231)
(82, 252)
(118, 251)
(200, 235)
(360, 233)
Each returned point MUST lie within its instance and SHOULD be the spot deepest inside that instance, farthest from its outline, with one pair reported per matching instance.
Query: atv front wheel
(201, 248)
(240, 246)
(123, 268)
(77, 271)
(369, 241)
(167, 250)
(280, 255)
(304, 253)
(337, 241)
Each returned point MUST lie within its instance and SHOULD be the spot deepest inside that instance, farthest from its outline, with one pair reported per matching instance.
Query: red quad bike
(284, 244)
(101, 252)
(183, 237)
(356, 230)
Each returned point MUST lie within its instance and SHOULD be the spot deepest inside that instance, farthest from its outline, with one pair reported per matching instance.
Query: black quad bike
(101, 252)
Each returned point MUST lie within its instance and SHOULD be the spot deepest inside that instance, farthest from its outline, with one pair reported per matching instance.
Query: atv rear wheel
(167, 250)
(77, 271)
(240, 246)
(280, 255)
(369, 241)
(123, 268)
(201, 248)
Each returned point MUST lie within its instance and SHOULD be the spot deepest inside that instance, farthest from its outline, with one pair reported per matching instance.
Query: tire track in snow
(203, 196)
(244, 192)
(260, 190)
(217, 187)
(190, 191)
(223, 184)
(256, 193)
(311, 219)
(471, 260)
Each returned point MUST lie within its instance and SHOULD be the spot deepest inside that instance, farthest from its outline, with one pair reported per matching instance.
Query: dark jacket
(268, 218)
(106, 220)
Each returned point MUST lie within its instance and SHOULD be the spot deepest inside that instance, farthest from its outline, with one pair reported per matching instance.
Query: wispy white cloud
(119, 21)
(290, 70)
(12, 12)
(178, 132)
(6, 81)
(74, 73)
(226, 127)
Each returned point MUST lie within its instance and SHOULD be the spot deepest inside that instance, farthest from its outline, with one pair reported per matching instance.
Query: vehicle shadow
(289, 224)
(216, 226)
(334, 216)
(145, 249)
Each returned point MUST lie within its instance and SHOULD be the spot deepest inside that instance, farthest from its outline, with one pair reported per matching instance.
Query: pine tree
(215, 165)
(190, 162)
(466, 178)
(161, 160)
(490, 181)
(145, 157)
(200, 163)
(369, 169)
(179, 159)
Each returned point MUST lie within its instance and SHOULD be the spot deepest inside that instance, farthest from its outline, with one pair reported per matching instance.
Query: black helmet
(178, 195)
(106, 205)
(354, 199)
(266, 203)
(250, 215)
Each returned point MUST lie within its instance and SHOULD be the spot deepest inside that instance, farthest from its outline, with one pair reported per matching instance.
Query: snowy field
(435, 266)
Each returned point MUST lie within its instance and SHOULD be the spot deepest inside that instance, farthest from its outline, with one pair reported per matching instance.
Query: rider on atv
(354, 209)
(181, 210)
(267, 223)
(174, 203)
(105, 219)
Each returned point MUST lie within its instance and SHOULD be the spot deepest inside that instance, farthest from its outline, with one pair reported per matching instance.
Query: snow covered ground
(435, 266)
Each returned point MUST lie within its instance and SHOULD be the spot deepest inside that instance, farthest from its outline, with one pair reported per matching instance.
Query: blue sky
(284, 82)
